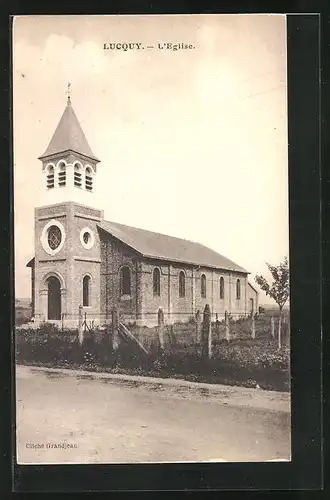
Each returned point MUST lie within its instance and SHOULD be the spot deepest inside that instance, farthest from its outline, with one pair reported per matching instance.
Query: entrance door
(251, 306)
(54, 298)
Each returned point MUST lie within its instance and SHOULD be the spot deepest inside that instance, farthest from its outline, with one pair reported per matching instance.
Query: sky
(193, 143)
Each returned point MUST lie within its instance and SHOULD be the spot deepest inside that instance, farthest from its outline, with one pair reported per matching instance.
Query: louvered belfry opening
(50, 178)
(77, 177)
(62, 175)
(88, 180)
(69, 142)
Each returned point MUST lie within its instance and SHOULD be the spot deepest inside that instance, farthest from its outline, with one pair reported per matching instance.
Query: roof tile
(69, 136)
(170, 248)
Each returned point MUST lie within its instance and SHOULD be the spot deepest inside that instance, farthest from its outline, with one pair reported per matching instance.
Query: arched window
(86, 291)
(88, 179)
(77, 177)
(50, 177)
(182, 284)
(203, 286)
(156, 282)
(62, 175)
(238, 289)
(222, 288)
(125, 281)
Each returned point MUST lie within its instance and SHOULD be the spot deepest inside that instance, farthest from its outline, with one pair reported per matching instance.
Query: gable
(254, 289)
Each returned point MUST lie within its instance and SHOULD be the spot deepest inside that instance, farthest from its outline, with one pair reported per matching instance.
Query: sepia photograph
(151, 239)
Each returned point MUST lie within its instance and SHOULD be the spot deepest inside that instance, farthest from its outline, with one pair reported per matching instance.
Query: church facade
(85, 263)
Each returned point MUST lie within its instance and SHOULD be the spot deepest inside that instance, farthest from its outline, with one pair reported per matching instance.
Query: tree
(278, 289)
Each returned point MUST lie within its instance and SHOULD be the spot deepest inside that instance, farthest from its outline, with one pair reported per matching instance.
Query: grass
(244, 362)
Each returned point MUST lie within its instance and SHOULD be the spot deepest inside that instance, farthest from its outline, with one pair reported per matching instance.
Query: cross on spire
(68, 91)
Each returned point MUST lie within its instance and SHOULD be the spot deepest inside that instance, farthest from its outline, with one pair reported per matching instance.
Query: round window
(54, 237)
(87, 238)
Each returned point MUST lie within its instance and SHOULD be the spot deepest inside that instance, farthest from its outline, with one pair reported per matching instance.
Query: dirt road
(79, 419)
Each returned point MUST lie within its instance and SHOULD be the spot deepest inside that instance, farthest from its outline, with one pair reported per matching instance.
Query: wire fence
(180, 328)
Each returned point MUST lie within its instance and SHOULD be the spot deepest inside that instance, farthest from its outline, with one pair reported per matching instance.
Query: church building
(83, 262)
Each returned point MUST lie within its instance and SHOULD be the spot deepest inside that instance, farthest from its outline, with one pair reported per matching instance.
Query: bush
(246, 362)
(252, 354)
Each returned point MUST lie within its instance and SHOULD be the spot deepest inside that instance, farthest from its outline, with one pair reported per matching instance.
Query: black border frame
(305, 471)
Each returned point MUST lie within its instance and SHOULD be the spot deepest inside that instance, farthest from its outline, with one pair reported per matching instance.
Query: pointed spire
(69, 135)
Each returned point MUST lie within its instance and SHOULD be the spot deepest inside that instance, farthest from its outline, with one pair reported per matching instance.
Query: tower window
(77, 177)
(86, 287)
(125, 281)
(86, 237)
(182, 284)
(156, 282)
(50, 178)
(238, 289)
(88, 179)
(203, 286)
(62, 176)
(54, 237)
(222, 288)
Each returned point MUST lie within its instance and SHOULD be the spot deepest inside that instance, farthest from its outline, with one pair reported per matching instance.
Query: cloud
(173, 126)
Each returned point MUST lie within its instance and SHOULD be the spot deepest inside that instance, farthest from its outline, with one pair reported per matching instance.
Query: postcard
(151, 239)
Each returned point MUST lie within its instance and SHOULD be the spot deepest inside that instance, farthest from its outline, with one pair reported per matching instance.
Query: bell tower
(68, 164)
(66, 266)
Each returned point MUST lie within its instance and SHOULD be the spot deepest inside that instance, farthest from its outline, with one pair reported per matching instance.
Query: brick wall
(252, 294)
(182, 309)
(71, 263)
(151, 303)
(103, 262)
(115, 255)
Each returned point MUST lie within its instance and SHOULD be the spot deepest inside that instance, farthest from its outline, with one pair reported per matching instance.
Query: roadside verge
(227, 395)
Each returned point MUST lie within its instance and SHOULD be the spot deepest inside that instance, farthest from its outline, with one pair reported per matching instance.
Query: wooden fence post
(253, 326)
(114, 328)
(279, 331)
(172, 336)
(284, 329)
(161, 328)
(217, 325)
(109, 333)
(287, 331)
(210, 341)
(80, 326)
(227, 328)
(272, 327)
(198, 326)
(207, 333)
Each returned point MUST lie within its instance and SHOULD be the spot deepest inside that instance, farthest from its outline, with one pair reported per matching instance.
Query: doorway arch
(54, 298)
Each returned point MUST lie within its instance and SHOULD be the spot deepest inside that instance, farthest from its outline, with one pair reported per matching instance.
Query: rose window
(54, 237)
